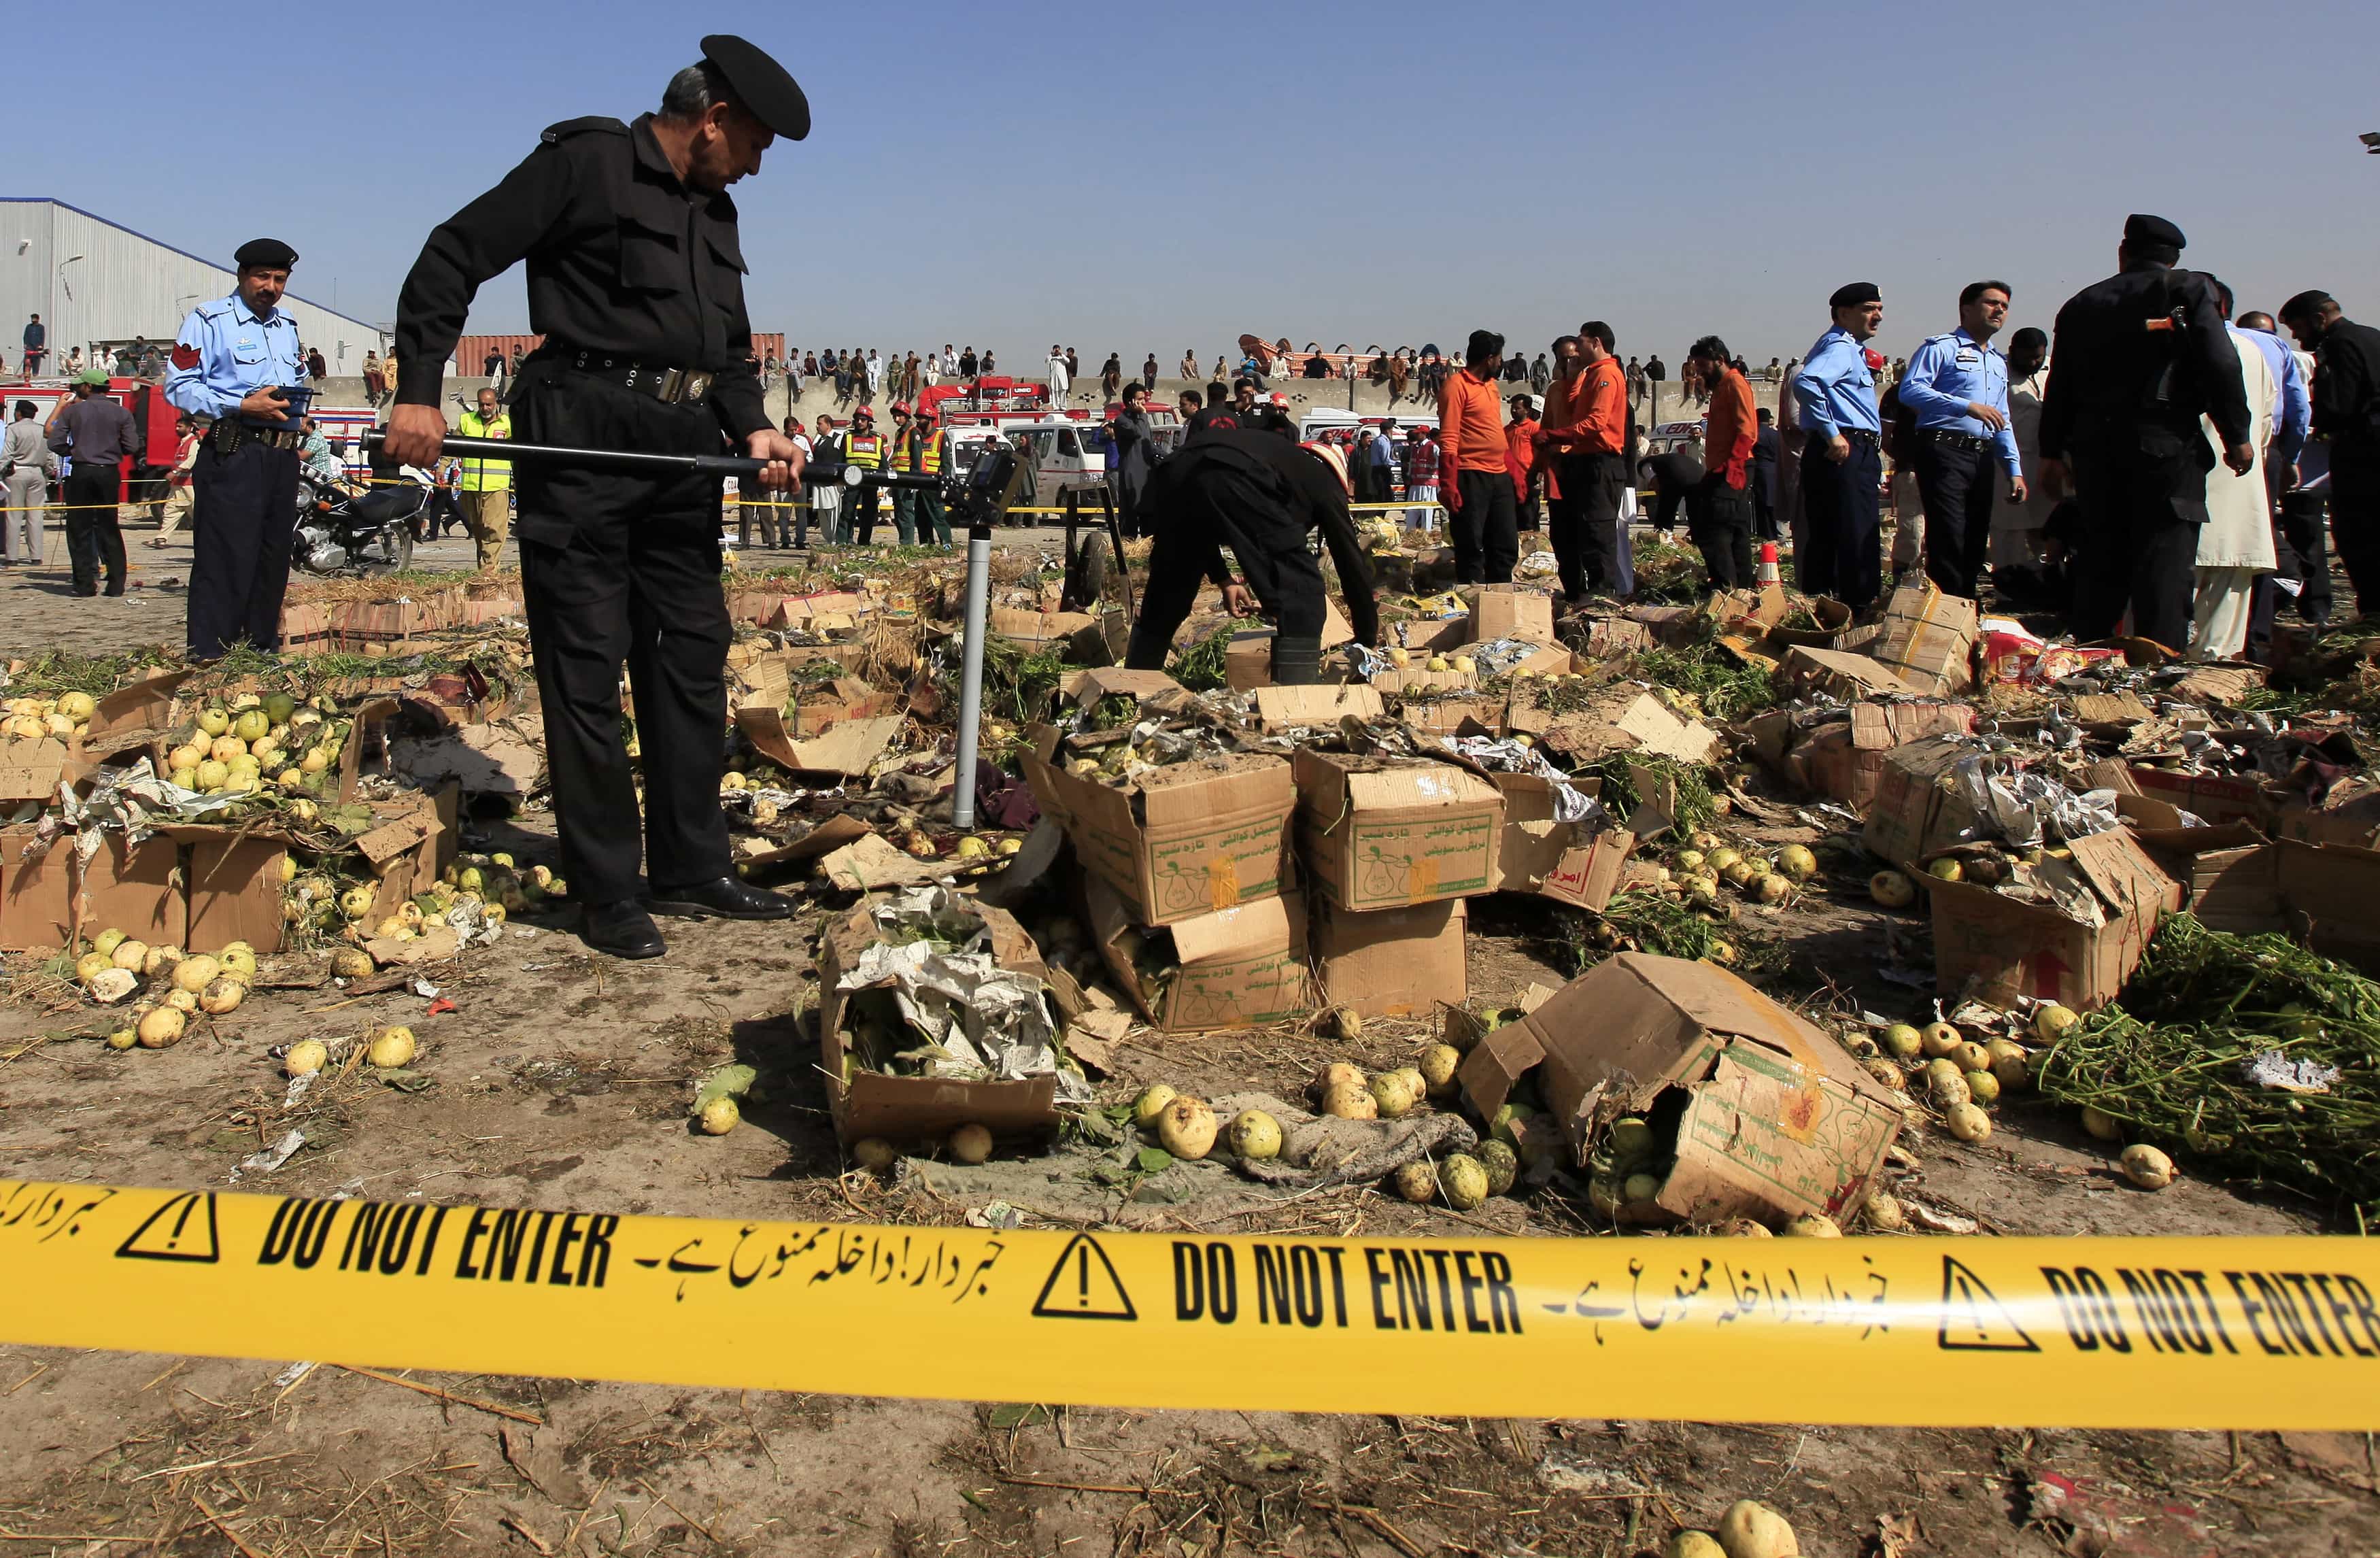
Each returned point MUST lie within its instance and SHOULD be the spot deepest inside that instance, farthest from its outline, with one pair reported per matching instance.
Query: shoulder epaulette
(603, 122)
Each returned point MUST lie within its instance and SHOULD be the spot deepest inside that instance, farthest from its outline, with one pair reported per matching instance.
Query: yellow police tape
(2133, 1332)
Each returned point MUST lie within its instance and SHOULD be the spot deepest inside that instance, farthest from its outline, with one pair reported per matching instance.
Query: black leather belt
(1853, 434)
(675, 386)
(1956, 440)
(229, 433)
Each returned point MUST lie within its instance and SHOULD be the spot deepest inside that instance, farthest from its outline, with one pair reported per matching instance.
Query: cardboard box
(1322, 704)
(1454, 713)
(2349, 813)
(1991, 948)
(1383, 833)
(32, 769)
(2326, 893)
(1764, 1116)
(1845, 760)
(1391, 963)
(1839, 674)
(1927, 638)
(1562, 860)
(1511, 610)
(1183, 840)
(135, 888)
(37, 894)
(2212, 798)
(1918, 810)
(1619, 720)
(867, 1103)
(1242, 966)
(1608, 638)
(1076, 634)
(1247, 661)
(2229, 876)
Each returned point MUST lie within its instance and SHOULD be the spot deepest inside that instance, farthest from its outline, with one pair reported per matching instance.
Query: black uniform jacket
(1306, 491)
(622, 259)
(2143, 351)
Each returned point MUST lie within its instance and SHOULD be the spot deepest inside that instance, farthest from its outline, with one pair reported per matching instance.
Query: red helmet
(863, 415)
(900, 407)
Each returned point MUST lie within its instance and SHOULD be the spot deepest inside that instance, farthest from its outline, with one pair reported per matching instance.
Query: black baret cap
(271, 253)
(2153, 230)
(760, 84)
(1853, 295)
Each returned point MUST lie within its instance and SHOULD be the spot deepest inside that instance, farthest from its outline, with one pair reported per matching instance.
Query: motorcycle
(342, 530)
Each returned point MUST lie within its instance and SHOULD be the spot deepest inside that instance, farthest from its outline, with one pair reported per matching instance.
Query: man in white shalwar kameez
(2236, 543)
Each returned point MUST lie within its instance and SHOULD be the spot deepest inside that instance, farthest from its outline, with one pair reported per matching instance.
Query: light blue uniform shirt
(1948, 373)
(2295, 414)
(1835, 389)
(231, 351)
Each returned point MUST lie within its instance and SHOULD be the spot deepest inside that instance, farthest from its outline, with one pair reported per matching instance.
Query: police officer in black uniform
(2138, 359)
(1259, 493)
(636, 280)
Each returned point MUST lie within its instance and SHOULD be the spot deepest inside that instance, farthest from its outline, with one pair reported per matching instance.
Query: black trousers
(1957, 485)
(243, 516)
(2355, 521)
(1845, 552)
(1723, 529)
(1763, 507)
(2143, 498)
(2299, 558)
(1583, 524)
(773, 512)
(94, 539)
(861, 504)
(1487, 529)
(1223, 508)
(617, 569)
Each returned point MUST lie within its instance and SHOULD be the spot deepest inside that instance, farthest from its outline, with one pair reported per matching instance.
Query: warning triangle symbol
(1973, 1319)
(1083, 1285)
(182, 1229)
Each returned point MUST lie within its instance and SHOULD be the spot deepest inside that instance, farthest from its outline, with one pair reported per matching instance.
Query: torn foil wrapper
(2276, 1070)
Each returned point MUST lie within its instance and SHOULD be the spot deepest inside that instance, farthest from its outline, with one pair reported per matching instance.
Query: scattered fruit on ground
(1255, 1133)
(392, 1048)
(2146, 1167)
(719, 1116)
(1415, 1182)
(1186, 1128)
(306, 1057)
(971, 1144)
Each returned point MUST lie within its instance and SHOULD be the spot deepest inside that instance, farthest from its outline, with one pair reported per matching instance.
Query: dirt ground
(560, 1081)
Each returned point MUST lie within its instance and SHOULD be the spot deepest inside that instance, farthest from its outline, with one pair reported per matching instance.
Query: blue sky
(1150, 176)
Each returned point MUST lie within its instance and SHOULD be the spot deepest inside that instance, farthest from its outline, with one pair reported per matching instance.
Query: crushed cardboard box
(1992, 946)
(1242, 967)
(866, 1100)
(1755, 1110)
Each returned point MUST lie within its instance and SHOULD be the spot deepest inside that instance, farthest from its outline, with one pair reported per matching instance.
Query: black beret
(271, 253)
(760, 84)
(2305, 305)
(2153, 230)
(1853, 295)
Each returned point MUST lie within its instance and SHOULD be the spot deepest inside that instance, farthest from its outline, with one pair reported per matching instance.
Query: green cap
(95, 377)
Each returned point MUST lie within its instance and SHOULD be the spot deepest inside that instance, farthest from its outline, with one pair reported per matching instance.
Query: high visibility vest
(930, 452)
(865, 450)
(484, 475)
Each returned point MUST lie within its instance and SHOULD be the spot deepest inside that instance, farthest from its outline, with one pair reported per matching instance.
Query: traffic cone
(1766, 573)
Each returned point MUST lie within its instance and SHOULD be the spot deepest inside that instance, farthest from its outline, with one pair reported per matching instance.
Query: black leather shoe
(622, 929)
(721, 898)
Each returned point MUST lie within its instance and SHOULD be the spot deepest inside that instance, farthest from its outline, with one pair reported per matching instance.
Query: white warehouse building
(96, 284)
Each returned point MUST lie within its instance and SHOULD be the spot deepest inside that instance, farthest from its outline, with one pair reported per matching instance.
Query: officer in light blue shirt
(1956, 386)
(1842, 461)
(237, 360)
(2295, 418)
